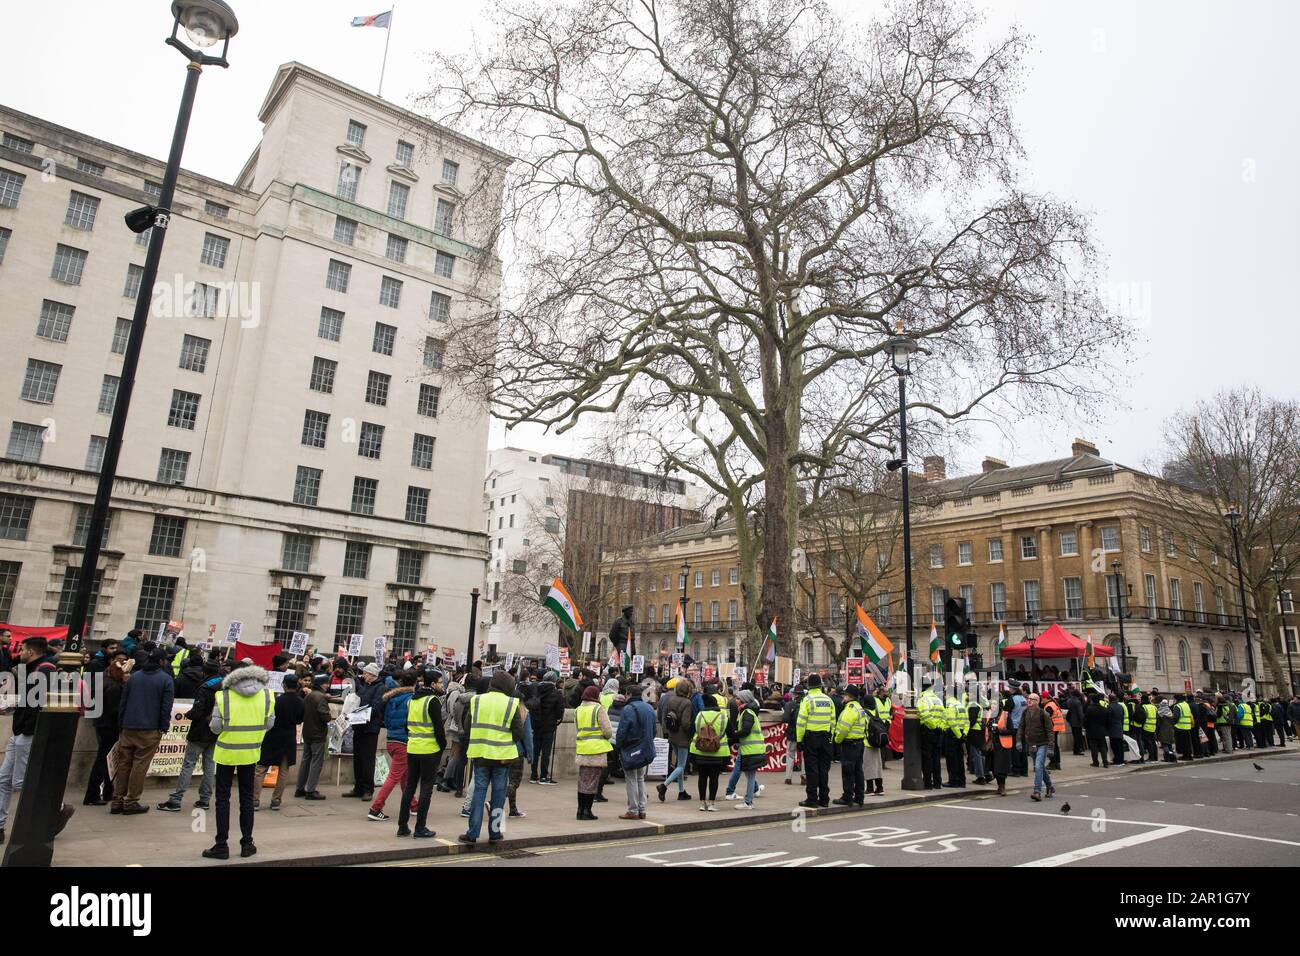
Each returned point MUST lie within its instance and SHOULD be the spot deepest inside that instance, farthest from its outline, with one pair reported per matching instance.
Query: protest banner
(170, 754)
(275, 681)
(854, 670)
(638, 664)
(381, 648)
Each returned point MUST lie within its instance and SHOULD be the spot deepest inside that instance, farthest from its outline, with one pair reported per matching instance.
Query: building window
(371, 442)
(450, 172)
(356, 560)
(134, 276)
(108, 394)
(69, 263)
(349, 178)
(385, 338)
(998, 595)
(322, 375)
(406, 627)
(715, 612)
(1169, 544)
(552, 525)
(194, 353)
(1219, 607)
(121, 335)
(807, 652)
(216, 210)
(995, 550)
(306, 486)
(443, 217)
(40, 381)
(428, 401)
(434, 350)
(172, 466)
(1158, 654)
(1144, 539)
(398, 194)
(82, 210)
(290, 614)
(1284, 601)
(422, 452)
(1198, 602)
(152, 190)
(936, 604)
(410, 566)
(1193, 551)
(295, 554)
(377, 388)
(936, 555)
(81, 527)
(9, 571)
(4, 242)
(11, 188)
(314, 426)
(155, 606)
(1028, 547)
(968, 595)
(444, 264)
(439, 307)
(204, 301)
(405, 153)
(396, 248)
(356, 134)
(167, 537)
(390, 292)
(964, 552)
(18, 144)
(1183, 657)
(351, 618)
(1110, 538)
(1069, 543)
(15, 516)
(338, 275)
(698, 612)
(715, 577)
(1032, 606)
(345, 230)
(1176, 599)
(95, 453)
(1207, 654)
(215, 249)
(417, 506)
(1290, 645)
(1151, 595)
(1112, 596)
(1073, 598)
(331, 324)
(1230, 656)
(55, 322)
(184, 411)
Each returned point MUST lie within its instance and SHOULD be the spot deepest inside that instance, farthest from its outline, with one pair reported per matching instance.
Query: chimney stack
(992, 464)
(1082, 446)
(936, 469)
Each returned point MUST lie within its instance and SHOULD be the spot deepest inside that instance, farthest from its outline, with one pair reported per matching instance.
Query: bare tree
(721, 212)
(1239, 452)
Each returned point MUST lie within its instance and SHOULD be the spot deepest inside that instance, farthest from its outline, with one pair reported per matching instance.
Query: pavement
(344, 836)
(1224, 814)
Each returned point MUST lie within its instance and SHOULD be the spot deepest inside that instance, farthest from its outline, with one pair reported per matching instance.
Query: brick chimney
(936, 469)
(993, 464)
(1082, 446)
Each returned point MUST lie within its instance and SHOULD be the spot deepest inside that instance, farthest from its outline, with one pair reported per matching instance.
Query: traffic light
(955, 621)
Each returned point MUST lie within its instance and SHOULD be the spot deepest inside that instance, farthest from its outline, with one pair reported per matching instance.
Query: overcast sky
(1176, 123)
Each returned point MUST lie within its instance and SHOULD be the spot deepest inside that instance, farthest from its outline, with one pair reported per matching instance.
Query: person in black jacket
(546, 711)
(1096, 726)
(420, 771)
(190, 677)
(200, 743)
(99, 788)
(280, 745)
(1074, 717)
(365, 737)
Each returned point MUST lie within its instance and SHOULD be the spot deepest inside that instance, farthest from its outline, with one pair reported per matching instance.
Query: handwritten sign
(170, 754)
(354, 644)
(430, 658)
(275, 681)
(854, 670)
(638, 664)
(796, 676)
(298, 644)
(510, 661)
(381, 647)
(234, 631)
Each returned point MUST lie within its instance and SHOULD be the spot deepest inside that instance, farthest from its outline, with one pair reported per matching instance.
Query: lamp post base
(31, 842)
(912, 778)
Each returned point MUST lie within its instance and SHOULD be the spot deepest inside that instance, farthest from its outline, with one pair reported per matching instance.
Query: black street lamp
(1277, 567)
(901, 349)
(205, 24)
(686, 578)
(1234, 517)
(1119, 611)
(1031, 625)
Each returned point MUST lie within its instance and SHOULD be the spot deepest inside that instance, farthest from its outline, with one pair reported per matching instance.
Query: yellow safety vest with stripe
(930, 709)
(1125, 709)
(1149, 718)
(717, 719)
(752, 744)
(606, 700)
(591, 739)
(1184, 721)
(420, 737)
(978, 719)
(852, 723)
(177, 661)
(243, 721)
(884, 709)
(816, 714)
(1265, 713)
(489, 728)
(956, 717)
(1247, 715)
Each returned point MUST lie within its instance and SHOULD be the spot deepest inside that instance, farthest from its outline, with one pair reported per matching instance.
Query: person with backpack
(708, 746)
(635, 742)
(680, 729)
(453, 722)
(594, 733)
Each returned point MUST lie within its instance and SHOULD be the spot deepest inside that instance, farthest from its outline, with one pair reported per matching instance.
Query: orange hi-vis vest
(1006, 735)
(1058, 718)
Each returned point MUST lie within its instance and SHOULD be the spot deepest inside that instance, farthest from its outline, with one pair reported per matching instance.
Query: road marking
(1198, 804)
(1121, 798)
(1157, 801)
(1136, 823)
(649, 857)
(1084, 853)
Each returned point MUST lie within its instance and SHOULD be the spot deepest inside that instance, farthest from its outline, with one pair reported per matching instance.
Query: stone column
(1094, 591)
(1047, 585)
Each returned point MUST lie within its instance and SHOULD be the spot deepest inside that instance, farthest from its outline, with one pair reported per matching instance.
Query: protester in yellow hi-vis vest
(496, 723)
(594, 732)
(1184, 727)
(244, 710)
(425, 739)
(851, 735)
(813, 734)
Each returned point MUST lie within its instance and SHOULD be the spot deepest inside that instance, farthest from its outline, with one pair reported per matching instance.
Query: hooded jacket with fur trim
(245, 681)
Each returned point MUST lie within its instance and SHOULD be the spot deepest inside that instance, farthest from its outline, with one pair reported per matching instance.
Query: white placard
(587, 645)
(359, 716)
(658, 768)
(740, 674)
(275, 681)
(430, 657)
(553, 656)
(796, 677)
(298, 646)
(232, 633)
(354, 644)
(510, 661)
(638, 664)
(381, 648)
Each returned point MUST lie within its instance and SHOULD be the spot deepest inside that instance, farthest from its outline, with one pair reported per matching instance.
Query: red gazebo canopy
(1056, 641)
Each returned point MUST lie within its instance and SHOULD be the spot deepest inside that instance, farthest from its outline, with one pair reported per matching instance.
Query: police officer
(850, 734)
(813, 736)
(929, 709)
(956, 722)
(242, 713)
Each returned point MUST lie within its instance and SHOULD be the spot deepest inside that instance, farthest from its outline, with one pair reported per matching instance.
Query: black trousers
(817, 766)
(543, 742)
(1054, 758)
(363, 762)
(954, 753)
(1183, 743)
(1079, 740)
(99, 780)
(420, 772)
(1117, 750)
(1211, 746)
(1195, 735)
(1150, 748)
(931, 751)
(1097, 748)
(226, 776)
(851, 770)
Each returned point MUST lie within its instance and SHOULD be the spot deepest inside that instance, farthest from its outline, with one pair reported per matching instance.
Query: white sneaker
(744, 806)
(712, 808)
(762, 787)
(733, 796)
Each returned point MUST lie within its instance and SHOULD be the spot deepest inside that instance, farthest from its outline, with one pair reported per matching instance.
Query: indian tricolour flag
(769, 644)
(875, 645)
(1092, 656)
(935, 646)
(1002, 638)
(683, 638)
(562, 606)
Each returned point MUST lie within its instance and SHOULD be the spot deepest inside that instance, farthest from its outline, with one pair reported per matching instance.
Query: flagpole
(388, 36)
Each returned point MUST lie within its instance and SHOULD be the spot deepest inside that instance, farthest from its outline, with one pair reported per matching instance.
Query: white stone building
(293, 459)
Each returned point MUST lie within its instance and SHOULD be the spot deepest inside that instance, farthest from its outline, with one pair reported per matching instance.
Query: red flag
(260, 654)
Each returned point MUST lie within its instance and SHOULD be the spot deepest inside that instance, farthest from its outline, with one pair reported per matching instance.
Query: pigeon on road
(1257, 767)
(1065, 808)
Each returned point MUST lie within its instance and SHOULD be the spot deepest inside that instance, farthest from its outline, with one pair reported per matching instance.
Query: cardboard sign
(784, 666)
(796, 676)
(741, 674)
(658, 768)
(298, 644)
(381, 647)
(510, 661)
(275, 681)
(638, 664)
(169, 756)
(855, 670)
(234, 631)
(354, 644)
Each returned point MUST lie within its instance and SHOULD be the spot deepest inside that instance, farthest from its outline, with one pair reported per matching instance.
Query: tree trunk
(1275, 661)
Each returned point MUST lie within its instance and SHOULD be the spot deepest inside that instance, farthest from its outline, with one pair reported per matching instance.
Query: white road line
(1121, 798)
(1157, 801)
(1136, 823)
(1084, 853)
(649, 857)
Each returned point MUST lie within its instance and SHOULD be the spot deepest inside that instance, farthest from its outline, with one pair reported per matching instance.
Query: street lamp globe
(205, 22)
(900, 349)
